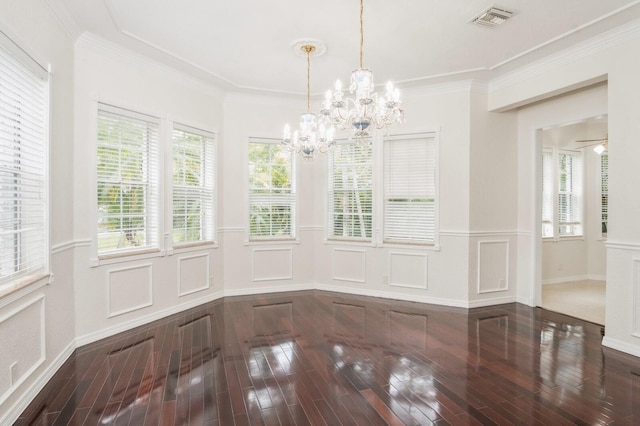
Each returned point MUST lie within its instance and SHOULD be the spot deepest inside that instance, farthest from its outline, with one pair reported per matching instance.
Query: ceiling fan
(600, 145)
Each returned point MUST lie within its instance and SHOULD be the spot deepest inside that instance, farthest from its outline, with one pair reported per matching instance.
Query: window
(410, 189)
(562, 185)
(350, 191)
(547, 193)
(272, 191)
(127, 191)
(193, 185)
(24, 147)
(604, 191)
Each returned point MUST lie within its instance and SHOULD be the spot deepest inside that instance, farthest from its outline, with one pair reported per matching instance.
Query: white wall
(34, 323)
(256, 267)
(115, 294)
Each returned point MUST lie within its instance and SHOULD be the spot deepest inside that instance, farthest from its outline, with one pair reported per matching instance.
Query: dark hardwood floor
(313, 358)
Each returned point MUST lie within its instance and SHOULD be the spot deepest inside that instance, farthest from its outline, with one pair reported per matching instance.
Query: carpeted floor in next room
(580, 299)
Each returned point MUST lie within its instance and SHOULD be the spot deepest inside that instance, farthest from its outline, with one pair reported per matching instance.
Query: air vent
(492, 17)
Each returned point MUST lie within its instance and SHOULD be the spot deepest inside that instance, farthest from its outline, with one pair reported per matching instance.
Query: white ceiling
(246, 44)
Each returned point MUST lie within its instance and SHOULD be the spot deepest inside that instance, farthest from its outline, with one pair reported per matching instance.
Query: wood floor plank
(315, 358)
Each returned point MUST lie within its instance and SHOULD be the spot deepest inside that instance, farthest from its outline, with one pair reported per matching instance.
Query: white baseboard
(137, 322)
(274, 289)
(12, 414)
(565, 279)
(621, 346)
(391, 295)
(491, 301)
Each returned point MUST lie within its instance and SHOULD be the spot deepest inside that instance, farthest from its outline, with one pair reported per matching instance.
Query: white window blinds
(23, 164)
(569, 193)
(193, 185)
(604, 191)
(350, 191)
(127, 180)
(272, 195)
(410, 194)
(547, 193)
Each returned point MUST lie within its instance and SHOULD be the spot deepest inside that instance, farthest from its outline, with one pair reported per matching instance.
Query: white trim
(231, 229)
(589, 47)
(621, 346)
(622, 246)
(24, 290)
(111, 314)
(69, 245)
(311, 228)
(251, 291)
(560, 280)
(65, 20)
(43, 353)
(23, 401)
(208, 274)
(455, 233)
(99, 45)
(145, 319)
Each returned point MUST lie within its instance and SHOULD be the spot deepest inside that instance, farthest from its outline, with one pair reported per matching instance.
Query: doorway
(574, 204)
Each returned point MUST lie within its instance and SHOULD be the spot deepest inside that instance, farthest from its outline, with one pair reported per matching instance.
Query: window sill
(121, 257)
(349, 242)
(425, 246)
(14, 290)
(282, 241)
(189, 247)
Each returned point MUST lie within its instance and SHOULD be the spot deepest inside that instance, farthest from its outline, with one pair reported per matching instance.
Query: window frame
(555, 177)
(293, 195)
(155, 247)
(210, 153)
(427, 135)
(22, 63)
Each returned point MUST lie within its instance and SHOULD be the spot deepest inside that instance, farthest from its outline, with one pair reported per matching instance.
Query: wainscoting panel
(193, 274)
(349, 265)
(130, 289)
(408, 270)
(493, 266)
(23, 327)
(271, 264)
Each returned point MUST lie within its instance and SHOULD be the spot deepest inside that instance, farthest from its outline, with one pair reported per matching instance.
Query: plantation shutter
(570, 193)
(350, 191)
(410, 189)
(127, 178)
(272, 196)
(193, 185)
(24, 146)
(547, 193)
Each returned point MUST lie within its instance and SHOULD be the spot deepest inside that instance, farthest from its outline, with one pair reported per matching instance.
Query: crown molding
(99, 45)
(594, 45)
(64, 18)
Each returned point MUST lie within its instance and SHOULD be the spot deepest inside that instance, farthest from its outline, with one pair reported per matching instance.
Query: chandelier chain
(361, 33)
(309, 49)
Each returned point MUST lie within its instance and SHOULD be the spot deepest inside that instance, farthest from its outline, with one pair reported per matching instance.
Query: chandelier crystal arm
(366, 110)
(311, 135)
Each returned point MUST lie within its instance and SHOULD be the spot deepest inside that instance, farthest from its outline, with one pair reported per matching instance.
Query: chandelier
(311, 136)
(367, 110)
